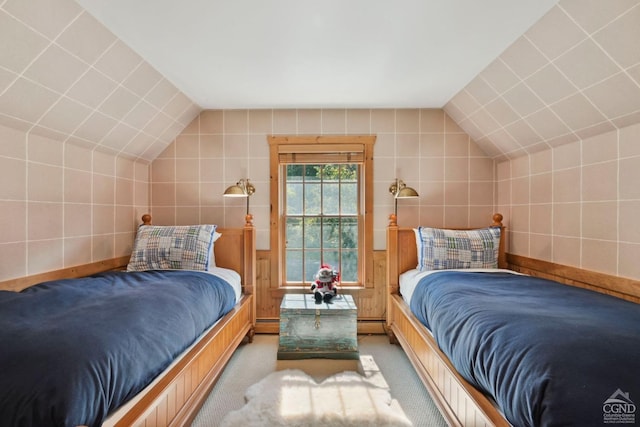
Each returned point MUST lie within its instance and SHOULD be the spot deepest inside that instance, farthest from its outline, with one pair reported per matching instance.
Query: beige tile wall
(63, 75)
(424, 147)
(577, 204)
(77, 108)
(574, 74)
(62, 204)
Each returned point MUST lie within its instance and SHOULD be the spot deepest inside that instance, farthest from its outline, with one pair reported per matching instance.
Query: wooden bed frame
(460, 403)
(176, 396)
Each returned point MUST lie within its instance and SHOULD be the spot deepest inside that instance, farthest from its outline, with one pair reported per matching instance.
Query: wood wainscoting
(371, 302)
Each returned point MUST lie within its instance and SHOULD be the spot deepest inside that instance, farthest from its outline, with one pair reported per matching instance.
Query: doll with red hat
(324, 288)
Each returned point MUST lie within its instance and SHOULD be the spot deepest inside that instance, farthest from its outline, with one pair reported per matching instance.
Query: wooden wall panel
(371, 302)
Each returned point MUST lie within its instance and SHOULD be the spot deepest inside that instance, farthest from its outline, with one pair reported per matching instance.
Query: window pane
(295, 172)
(331, 232)
(294, 266)
(349, 199)
(349, 233)
(349, 173)
(311, 265)
(294, 198)
(312, 173)
(330, 198)
(294, 233)
(312, 199)
(312, 237)
(330, 172)
(332, 258)
(349, 271)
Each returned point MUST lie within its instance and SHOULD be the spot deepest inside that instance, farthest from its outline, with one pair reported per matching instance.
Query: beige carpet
(253, 362)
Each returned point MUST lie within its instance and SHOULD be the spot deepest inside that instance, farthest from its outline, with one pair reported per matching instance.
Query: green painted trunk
(309, 330)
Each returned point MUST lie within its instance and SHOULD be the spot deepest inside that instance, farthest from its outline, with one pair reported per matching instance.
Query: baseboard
(371, 327)
(267, 327)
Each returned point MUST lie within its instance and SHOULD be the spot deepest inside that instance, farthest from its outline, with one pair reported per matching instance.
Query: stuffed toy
(324, 288)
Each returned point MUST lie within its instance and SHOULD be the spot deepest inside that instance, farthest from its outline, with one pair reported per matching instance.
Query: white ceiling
(228, 54)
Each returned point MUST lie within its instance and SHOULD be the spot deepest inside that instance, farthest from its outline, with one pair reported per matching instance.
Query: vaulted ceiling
(228, 54)
(127, 77)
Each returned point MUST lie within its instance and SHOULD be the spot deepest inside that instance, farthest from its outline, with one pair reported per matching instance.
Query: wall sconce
(242, 188)
(400, 191)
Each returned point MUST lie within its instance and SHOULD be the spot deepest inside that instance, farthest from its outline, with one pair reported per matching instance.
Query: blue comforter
(73, 350)
(547, 353)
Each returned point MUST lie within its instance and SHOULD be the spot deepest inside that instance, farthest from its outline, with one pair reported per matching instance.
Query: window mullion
(304, 222)
(340, 172)
(322, 171)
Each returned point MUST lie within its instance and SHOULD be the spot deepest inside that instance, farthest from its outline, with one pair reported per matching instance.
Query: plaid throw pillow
(440, 249)
(187, 247)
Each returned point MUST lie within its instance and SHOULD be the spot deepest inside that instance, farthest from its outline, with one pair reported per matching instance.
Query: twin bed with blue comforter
(135, 347)
(74, 350)
(547, 353)
(497, 348)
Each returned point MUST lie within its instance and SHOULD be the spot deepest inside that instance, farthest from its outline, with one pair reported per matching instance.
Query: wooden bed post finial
(248, 220)
(393, 219)
(502, 254)
(146, 219)
(497, 220)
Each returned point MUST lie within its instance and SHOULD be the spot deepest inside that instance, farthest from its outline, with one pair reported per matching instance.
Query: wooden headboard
(234, 250)
(402, 252)
(402, 256)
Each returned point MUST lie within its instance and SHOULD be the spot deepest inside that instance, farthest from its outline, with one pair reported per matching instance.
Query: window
(321, 208)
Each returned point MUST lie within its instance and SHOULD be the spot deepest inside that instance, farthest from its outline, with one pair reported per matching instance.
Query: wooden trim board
(65, 273)
(620, 287)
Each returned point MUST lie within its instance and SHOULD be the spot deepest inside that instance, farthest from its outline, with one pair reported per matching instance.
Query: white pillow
(212, 255)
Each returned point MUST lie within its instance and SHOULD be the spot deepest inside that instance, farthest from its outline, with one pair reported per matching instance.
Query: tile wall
(63, 204)
(572, 75)
(577, 204)
(81, 116)
(424, 147)
(64, 76)
(559, 110)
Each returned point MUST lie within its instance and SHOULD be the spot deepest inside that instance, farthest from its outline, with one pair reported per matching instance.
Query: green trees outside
(321, 216)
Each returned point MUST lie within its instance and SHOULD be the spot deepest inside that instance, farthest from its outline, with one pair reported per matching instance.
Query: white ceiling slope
(318, 54)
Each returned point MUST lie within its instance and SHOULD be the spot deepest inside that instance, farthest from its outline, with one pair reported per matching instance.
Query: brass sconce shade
(242, 188)
(400, 191)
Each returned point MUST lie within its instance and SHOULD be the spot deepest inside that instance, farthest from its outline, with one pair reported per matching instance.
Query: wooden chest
(310, 330)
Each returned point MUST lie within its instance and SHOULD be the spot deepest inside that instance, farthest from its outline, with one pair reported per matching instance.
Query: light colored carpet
(253, 362)
(293, 398)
